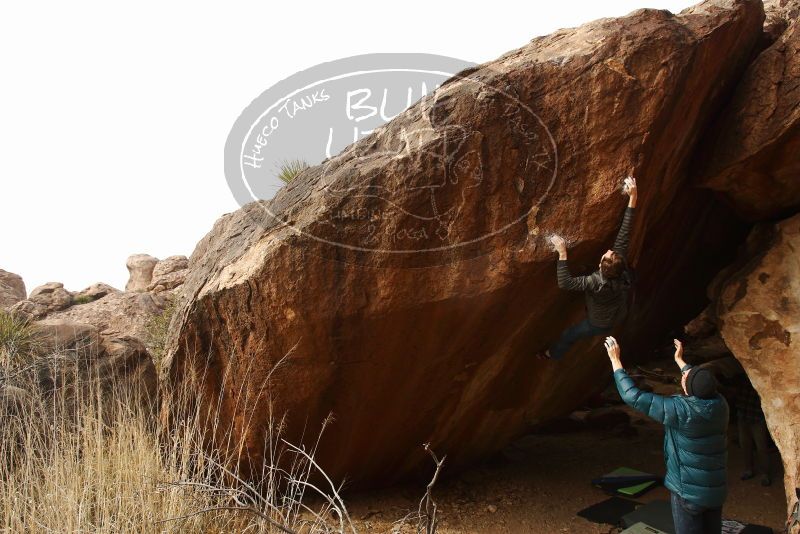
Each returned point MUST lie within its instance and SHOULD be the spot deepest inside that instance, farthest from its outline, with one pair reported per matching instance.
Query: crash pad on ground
(609, 511)
(626, 481)
(657, 514)
(641, 528)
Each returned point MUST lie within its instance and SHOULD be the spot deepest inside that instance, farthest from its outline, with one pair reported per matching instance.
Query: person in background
(752, 430)
(606, 289)
(695, 441)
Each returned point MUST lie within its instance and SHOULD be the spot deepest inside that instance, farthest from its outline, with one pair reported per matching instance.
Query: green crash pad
(633, 490)
(641, 528)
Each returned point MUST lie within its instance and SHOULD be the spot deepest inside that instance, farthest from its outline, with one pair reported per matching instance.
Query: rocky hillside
(114, 333)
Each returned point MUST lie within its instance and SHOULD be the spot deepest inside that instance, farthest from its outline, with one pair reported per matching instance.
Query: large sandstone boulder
(409, 281)
(759, 315)
(753, 156)
(140, 270)
(12, 289)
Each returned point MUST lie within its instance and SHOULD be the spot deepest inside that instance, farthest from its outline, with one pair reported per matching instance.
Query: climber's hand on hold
(630, 189)
(560, 246)
(612, 347)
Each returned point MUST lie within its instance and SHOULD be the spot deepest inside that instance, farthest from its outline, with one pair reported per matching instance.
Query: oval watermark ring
(313, 115)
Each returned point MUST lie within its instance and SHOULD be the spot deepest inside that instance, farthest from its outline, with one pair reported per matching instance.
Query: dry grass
(87, 477)
(81, 459)
(86, 455)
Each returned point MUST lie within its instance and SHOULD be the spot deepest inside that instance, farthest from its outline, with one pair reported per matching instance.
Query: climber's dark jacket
(606, 300)
(695, 443)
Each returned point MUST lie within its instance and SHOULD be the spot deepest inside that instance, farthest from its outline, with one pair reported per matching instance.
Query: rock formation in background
(51, 297)
(168, 274)
(111, 311)
(409, 278)
(68, 360)
(12, 289)
(140, 267)
(69, 348)
(100, 332)
(112, 328)
(93, 292)
(118, 313)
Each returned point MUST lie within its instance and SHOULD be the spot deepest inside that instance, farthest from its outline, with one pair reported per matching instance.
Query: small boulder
(64, 335)
(93, 292)
(118, 368)
(52, 296)
(28, 309)
(169, 273)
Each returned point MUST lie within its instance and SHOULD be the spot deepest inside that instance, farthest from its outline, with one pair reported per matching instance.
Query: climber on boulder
(695, 440)
(606, 289)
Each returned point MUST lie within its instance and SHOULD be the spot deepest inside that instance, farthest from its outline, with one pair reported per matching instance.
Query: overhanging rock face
(411, 272)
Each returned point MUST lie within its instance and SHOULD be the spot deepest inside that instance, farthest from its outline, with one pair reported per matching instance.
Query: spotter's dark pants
(690, 518)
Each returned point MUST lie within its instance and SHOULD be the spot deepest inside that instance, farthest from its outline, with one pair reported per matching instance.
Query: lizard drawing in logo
(416, 182)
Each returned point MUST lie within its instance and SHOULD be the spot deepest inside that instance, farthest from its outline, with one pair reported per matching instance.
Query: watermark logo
(435, 179)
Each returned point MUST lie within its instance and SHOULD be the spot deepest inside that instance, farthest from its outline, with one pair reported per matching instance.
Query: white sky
(113, 117)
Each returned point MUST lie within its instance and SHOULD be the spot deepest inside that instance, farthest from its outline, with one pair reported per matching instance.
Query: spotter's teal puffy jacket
(695, 440)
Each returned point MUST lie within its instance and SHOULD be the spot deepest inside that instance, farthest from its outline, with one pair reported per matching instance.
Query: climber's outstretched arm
(623, 236)
(565, 278)
(666, 410)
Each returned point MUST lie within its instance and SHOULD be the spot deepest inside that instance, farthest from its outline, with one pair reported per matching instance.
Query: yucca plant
(289, 169)
(17, 339)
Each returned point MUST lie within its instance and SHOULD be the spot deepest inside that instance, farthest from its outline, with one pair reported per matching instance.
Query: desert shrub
(289, 169)
(157, 327)
(82, 299)
(17, 339)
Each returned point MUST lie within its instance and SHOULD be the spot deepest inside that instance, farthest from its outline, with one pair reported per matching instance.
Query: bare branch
(427, 520)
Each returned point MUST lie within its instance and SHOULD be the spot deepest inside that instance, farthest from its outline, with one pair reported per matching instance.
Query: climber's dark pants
(572, 334)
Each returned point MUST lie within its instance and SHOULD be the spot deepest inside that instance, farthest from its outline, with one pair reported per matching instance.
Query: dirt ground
(541, 481)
